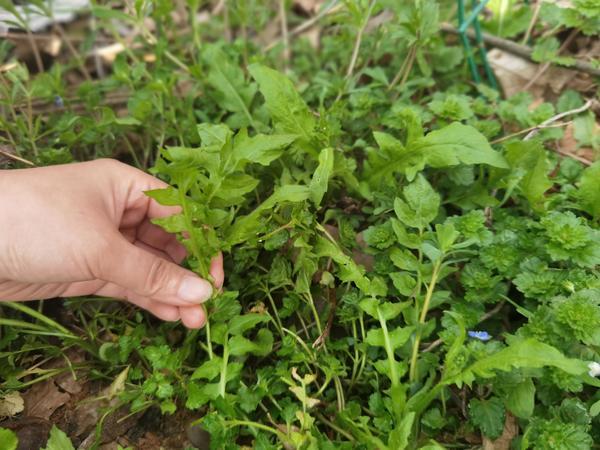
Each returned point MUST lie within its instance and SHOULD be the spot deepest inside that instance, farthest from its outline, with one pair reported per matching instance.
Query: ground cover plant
(411, 258)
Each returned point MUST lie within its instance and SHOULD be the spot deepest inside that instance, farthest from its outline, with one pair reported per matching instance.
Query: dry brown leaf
(568, 146)
(11, 404)
(309, 6)
(42, 399)
(568, 142)
(514, 73)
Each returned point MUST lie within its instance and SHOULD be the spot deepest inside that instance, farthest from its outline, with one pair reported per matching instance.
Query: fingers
(192, 316)
(149, 275)
(133, 201)
(168, 313)
(158, 238)
(216, 270)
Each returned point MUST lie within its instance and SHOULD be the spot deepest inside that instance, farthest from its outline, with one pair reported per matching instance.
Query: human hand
(85, 229)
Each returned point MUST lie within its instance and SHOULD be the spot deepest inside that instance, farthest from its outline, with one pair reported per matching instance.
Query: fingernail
(194, 290)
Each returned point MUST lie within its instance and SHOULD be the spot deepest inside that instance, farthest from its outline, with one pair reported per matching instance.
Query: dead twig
(307, 24)
(284, 33)
(553, 119)
(517, 49)
(358, 41)
(527, 130)
(47, 36)
(16, 158)
(534, 18)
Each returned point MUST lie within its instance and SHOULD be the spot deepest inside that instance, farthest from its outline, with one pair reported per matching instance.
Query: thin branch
(574, 156)
(307, 24)
(36, 52)
(358, 41)
(518, 49)
(553, 119)
(406, 67)
(527, 130)
(536, 13)
(16, 158)
(284, 33)
(46, 36)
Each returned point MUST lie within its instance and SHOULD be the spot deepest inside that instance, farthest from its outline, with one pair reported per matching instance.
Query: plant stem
(260, 426)
(423, 317)
(284, 33)
(223, 379)
(208, 338)
(358, 41)
(313, 308)
(388, 350)
(405, 69)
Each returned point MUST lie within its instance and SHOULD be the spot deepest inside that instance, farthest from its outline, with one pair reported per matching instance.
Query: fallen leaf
(32, 432)
(308, 6)
(118, 384)
(514, 73)
(42, 399)
(11, 404)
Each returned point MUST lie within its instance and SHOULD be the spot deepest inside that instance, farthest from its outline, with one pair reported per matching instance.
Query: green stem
(423, 318)
(388, 349)
(208, 338)
(260, 426)
(311, 302)
(223, 379)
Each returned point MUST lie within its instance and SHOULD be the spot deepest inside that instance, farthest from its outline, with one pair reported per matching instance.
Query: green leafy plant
(402, 268)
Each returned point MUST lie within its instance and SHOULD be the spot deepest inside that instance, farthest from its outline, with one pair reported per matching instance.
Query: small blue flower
(481, 335)
(58, 101)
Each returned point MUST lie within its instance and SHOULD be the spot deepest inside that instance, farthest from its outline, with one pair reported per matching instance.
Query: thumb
(151, 276)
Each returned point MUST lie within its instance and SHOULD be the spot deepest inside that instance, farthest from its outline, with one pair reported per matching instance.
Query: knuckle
(158, 277)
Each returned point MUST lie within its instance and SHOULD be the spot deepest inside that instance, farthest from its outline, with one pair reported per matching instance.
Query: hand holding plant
(84, 229)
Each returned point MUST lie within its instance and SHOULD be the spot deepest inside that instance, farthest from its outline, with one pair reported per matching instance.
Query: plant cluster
(403, 269)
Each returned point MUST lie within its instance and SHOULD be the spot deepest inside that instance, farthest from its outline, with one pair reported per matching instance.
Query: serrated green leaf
(404, 282)
(420, 206)
(398, 337)
(234, 93)
(198, 395)
(320, 180)
(58, 440)
(261, 148)
(488, 415)
(209, 369)
(456, 144)
(404, 259)
(520, 399)
(527, 353)
(241, 324)
(400, 436)
(287, 109)
(245, 226)
(589, 190)
(260, 346)
(530, 167)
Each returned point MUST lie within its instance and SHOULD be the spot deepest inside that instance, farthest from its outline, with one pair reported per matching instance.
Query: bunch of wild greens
(399, 274)
(341, 355)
